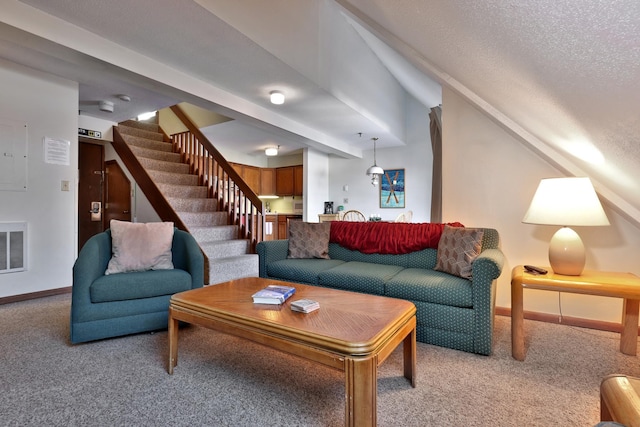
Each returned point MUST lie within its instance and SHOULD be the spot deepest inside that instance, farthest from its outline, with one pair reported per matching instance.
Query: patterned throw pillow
(457, 250)
(140, 246)
(309, 239)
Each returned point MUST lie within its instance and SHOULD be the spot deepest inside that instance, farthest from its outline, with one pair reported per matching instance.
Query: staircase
(227, 256)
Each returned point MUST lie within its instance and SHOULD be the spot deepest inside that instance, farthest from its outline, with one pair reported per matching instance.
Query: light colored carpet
(224, 381)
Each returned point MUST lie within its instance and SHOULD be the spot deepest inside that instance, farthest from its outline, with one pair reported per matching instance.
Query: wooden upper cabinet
(297, 180)
(284, 181)
(251, 175)
(267, 181)
(289, 181)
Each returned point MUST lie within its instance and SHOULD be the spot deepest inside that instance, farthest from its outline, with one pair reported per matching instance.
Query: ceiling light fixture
(272, 151)
(125, 98)
(277, 97)
(375, 171)
(106, 106)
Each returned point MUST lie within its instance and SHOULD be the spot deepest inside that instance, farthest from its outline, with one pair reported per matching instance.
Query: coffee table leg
(173, 343)
(409, 351)
(361, 391)
(629, 335)
(517, 321)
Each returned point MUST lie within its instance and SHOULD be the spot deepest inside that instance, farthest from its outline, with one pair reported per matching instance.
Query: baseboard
(566, 320)
(34, 295)
(500, 311)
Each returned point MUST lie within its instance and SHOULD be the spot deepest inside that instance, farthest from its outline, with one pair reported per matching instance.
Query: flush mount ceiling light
(123, 97)
(375, 171)
(272, 151)
(106, 106)
(277, 97)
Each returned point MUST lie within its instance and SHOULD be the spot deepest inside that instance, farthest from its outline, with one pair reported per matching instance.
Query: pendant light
(375, 171)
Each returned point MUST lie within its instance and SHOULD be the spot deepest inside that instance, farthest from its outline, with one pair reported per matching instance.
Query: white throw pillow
(140, 246)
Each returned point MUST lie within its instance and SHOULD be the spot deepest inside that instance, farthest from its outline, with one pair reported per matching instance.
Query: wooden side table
(590, 282)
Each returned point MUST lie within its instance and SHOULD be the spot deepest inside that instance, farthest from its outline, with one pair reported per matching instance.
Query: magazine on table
(305, 305)
(273, 294)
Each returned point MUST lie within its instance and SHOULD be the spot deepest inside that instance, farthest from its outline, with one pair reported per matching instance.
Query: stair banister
(222, 180)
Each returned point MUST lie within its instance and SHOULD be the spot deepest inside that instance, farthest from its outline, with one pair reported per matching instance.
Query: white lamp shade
(566, 202)
(375, 170)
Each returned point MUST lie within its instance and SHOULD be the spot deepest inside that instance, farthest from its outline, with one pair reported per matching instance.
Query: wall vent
(13, 247)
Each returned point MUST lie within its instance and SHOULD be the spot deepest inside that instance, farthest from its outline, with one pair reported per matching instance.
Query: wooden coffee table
(352, 332)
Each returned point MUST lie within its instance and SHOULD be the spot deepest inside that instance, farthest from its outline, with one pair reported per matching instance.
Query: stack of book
(305, 305)
(273, 294)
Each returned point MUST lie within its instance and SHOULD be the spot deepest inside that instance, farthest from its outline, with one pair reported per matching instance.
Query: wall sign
(57, 151)
(89, 133)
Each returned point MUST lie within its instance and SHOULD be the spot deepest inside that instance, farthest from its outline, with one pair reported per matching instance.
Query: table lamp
(566, 202)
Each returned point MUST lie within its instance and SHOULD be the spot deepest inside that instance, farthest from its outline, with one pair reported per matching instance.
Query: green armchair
(105, 306)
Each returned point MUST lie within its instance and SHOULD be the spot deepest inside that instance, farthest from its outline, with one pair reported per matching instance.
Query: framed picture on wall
(392, 189)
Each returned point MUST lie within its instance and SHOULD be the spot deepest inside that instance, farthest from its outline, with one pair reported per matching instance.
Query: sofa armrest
(270, 251)
(187, 256)
(488, 265)
(486, 269)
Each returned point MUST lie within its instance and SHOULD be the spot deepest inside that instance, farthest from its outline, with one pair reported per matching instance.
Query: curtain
(435, 127)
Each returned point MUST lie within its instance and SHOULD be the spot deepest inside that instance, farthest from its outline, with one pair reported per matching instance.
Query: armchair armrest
(187, 256)
(91, 263)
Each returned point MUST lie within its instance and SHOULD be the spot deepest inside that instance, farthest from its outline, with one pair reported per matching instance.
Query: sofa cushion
(139, 284)
(359, 277)
(309, 240)
(339, 252)
(457, 250)
(417, 284)
(300, 270)
(140, 246)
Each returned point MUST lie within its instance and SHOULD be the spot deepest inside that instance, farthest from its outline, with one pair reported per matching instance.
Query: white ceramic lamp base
(566, 252)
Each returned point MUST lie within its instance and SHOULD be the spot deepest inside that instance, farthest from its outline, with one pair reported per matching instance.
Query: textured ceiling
(564, 75)
(566, 72)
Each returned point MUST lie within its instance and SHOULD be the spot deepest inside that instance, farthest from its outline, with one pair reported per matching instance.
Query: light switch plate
(64, 186)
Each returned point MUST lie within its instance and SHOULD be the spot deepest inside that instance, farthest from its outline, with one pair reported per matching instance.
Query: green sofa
(127, 303)
(452, 311)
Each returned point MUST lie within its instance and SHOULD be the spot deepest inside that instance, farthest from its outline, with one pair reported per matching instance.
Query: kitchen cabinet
(283, 224)
(289, 181)
(251, 175)
(271, 227)
(284, 181)
(267, 181)
(297, 180)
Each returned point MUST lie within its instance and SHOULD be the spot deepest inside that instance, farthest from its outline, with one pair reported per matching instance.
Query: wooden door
(117, 194)
(90, 190)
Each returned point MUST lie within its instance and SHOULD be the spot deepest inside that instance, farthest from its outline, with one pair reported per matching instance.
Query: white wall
(315, 184)
(489, 178)
(49, 107)
(416, 159)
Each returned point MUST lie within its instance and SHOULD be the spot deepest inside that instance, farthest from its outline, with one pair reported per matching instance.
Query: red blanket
(387, 237)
